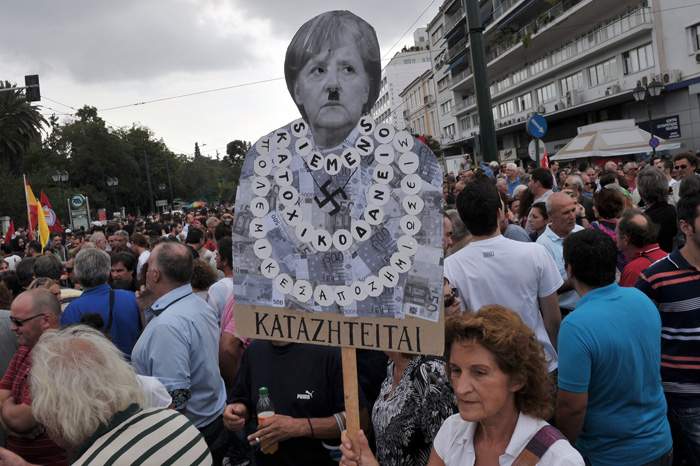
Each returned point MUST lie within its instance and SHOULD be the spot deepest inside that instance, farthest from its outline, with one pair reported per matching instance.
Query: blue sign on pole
(654, 142)
(537, 126)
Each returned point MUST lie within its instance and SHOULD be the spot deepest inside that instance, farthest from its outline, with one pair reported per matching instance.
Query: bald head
(610, 167)
(39, 300)
(636, 229)
(174, 261)
(33, 313)
(558, 200)
(561, 209)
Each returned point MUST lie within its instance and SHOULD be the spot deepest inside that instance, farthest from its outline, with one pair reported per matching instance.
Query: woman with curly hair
(499, 376)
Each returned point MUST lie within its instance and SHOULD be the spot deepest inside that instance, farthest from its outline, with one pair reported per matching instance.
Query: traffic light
(32, 93)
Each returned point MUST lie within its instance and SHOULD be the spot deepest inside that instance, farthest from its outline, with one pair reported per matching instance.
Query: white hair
(549, 206)
(511, 166)
(518, 189)
(91, 267)
(97, 236)
(79, 381)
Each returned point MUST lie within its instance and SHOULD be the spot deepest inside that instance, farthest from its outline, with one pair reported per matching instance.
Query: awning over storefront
(610, 139)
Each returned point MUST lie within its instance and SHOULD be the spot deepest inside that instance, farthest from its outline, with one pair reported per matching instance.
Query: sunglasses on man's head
(19, 322)
(680, 167)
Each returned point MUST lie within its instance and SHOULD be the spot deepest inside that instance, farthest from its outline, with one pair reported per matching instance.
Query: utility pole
(148, 180)
(487, 129)
(170, 183)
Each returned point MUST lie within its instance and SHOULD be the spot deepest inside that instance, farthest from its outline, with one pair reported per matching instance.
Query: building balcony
(457, 49)
(460, 79)
(593, 41)
(500, 9)
(506, 41)
(452, 21)
(444, 84)
(461, 105)
(543, 34)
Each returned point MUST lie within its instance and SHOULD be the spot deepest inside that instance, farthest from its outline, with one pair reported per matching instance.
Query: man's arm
(17, 417)
(570, 413)
(230, 353)
(4, 394)
(168, 360)
(566, 287)
(551, 315)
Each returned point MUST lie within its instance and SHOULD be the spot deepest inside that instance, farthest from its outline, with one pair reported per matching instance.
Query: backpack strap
(110, 319)
(538, 446)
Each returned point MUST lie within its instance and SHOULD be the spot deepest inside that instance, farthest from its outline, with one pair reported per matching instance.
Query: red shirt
(40, 450)
(636, 266)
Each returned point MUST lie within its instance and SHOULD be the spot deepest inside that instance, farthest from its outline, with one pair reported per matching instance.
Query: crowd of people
(572, 297)
(580, 312)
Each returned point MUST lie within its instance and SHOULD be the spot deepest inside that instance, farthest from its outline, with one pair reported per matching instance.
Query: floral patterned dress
(407, 418)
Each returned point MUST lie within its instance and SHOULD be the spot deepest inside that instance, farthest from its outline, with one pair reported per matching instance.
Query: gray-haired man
(116, 308)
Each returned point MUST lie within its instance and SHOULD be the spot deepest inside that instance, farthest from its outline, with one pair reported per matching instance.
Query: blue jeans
(685, 426)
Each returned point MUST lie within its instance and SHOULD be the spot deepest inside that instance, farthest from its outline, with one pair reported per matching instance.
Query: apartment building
(446, 124)
(419, 106)
(577, 62)
(404, 67)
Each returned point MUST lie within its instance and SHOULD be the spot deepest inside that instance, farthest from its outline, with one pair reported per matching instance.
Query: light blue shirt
(555, 246)
(180, 347)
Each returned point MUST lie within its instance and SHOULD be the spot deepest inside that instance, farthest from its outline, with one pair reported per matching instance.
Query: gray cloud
(94, 41)
(104, 41)
(389, 18)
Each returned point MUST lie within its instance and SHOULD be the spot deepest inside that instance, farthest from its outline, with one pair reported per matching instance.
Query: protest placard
(338, 228)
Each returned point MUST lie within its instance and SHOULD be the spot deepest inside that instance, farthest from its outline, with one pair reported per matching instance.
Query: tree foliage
(91, 152)
(20, 126)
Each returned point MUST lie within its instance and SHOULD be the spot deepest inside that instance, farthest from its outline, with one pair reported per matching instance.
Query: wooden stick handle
(352, 398)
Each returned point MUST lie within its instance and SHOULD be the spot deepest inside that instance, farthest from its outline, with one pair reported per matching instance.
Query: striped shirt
(150, 436)
(674, 285)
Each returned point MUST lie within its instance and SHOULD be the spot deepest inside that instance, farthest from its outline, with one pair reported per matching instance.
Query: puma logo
(307, 395)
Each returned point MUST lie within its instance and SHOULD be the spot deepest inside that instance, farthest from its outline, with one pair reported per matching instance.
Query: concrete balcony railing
(457, 48)
(456, 78)
(451, 21)
(592, 40)
(462, 104)
(444, 84)
(499, 10)
(504, 44)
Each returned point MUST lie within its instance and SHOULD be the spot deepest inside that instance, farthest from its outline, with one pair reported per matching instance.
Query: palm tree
(20, 125)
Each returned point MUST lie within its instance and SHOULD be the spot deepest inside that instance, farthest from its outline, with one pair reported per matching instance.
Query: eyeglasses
(680, 167)
(19, 322)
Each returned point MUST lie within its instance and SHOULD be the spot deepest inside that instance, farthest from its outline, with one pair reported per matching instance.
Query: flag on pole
(10, 232)
(30, 225)
(34, 208)
(51, 218)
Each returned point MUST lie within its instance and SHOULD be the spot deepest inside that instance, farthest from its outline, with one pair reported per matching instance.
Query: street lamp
(60, 177)
(645, 94)
(113, 182)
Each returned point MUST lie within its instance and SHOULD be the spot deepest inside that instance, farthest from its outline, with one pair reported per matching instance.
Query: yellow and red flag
(35, 210)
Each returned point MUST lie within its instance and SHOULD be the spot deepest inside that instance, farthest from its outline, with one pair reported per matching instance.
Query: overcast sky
(107, 54)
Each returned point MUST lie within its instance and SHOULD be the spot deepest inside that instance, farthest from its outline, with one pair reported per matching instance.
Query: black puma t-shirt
(305, 381)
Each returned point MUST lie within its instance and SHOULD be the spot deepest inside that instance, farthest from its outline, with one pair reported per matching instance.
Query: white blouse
(454, 444)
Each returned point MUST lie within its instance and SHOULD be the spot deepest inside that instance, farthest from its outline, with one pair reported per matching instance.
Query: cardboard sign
(338, 227)
(408, 335)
